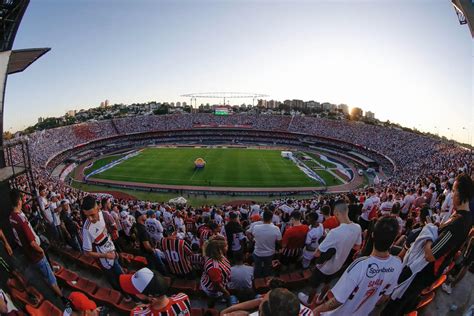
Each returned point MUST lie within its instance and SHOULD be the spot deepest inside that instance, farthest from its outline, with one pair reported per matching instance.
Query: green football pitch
(231, 167)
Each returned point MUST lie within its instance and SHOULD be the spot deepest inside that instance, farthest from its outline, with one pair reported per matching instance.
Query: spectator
(333, 251)
(81, 305)
(266, 237)
(370, 203)
(97, 242)
(293, 239)
(154, 261)
(153, 227)
(69, 227)
(440, 252)
(329, 222)
(235, 236)
(178, 256)
(216, 273)
(315, 233)
(145, 282)
(241, 278)
(29, 242)
(7, 307)
(368, 280)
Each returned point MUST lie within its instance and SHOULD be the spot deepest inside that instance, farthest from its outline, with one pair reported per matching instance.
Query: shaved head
(341, 207)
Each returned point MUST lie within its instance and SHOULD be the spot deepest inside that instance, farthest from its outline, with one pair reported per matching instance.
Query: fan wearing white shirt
(316, 231)
(386, 207)
(333, 251)
(98, 244)
(407, 202)
(368, 281)
(372, 201)
(153, 227)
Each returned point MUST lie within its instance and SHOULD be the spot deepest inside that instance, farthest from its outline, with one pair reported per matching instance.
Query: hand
(110, 255)
(8, 249)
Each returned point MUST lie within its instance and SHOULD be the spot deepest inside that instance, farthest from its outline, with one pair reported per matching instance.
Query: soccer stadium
(175, 209)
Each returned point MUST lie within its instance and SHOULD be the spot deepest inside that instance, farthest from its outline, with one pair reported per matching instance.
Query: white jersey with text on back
(96, 238)
(154, 228)
(312, 241)
(363, 283)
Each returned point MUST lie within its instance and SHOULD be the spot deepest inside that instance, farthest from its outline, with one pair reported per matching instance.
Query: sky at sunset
(408, 61)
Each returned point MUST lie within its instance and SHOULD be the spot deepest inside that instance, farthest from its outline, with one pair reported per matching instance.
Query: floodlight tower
(12, 61)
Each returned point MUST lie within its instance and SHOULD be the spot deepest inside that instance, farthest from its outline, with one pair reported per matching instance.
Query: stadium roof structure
(228, 95)
(465, 11)
(11, 13)
(223, 95)
(12, 61)
(22, 58)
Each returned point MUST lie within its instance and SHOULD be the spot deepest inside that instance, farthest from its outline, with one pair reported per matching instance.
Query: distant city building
(329, 107)
(71, 113)
(40, 120)
(262, 103)
(102, 104)
(106, 103)
(272, 104)
(344, 108)
(298, 104)
(370, 115)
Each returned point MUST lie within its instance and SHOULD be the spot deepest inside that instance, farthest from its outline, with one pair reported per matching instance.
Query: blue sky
(407, 61)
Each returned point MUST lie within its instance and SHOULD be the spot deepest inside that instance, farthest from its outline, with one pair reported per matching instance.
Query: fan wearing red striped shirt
(178, 255)
(145, 282)
(216, 272)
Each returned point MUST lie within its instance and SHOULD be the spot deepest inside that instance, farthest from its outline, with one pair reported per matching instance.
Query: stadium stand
(427, 193)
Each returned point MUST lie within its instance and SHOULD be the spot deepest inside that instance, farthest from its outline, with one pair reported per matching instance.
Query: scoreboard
(221, 111)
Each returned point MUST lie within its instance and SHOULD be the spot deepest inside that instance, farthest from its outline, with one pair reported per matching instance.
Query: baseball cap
(123, 214)
(150, 213)
(80, 302)
(144, 281)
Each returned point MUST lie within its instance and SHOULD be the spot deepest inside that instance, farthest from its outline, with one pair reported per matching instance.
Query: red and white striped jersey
(215, 271)
(179, 305)
(178, 255)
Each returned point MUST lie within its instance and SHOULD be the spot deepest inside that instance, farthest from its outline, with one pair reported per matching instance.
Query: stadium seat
(89, 263)
(112, 298)
(196, 312)
(56, 266)
(83, 285)
(435, 285)
(261, 285)
(425, 301)
(126, 257)
(297, 279)
(186, 286)
(30, 296)
(204, 312)
(211, 312)
(66, 277)
(286, 278)
(139, 261)
(45, 309)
